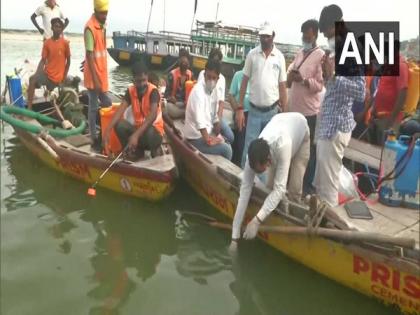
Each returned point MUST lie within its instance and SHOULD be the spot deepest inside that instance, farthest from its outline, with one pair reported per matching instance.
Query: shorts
(41, 79)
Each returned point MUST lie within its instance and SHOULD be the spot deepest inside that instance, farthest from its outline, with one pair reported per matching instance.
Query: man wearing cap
(96, 67)
(49, 10)
(54, 64)
(265, 69)
(336, 116)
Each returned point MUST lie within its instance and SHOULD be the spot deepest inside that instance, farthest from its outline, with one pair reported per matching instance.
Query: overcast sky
(285, 16)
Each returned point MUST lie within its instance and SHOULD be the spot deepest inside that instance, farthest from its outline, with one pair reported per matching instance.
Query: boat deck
(391, 221)
(81, 144)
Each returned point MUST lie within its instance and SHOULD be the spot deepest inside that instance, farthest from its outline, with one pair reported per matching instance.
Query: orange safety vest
(99, 55)
(176, 79)
(142, 110)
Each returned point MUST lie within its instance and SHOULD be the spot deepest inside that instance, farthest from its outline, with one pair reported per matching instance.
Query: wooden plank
(404, 216)
(411, 232)
(366, 148)
(363, 153)
(78, 140)
(162, 163)
(362, 158)
(379, 223)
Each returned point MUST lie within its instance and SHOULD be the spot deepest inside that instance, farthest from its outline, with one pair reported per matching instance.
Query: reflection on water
(64, 253)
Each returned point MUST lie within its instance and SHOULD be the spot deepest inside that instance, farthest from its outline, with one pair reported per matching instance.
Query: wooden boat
(160, 50)
(389, 273)
(151, 179)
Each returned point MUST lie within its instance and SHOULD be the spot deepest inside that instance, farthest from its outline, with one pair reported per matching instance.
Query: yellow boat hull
(392, 280)
(122, 178)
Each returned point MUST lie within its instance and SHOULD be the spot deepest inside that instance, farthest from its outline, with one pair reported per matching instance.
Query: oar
(344, 235)
(92, 189)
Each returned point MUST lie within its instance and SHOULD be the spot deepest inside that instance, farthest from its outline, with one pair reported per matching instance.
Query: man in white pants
(283, 145)
(336, 117)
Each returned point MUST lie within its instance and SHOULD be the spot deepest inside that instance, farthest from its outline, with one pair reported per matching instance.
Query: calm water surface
(63, 253)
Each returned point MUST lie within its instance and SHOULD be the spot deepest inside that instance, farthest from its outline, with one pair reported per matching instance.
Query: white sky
(286, 17)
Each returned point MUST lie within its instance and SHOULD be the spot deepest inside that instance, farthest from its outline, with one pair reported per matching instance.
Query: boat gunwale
(101, 162)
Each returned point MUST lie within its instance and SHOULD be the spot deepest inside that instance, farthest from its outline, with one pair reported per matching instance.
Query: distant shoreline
(33, 32)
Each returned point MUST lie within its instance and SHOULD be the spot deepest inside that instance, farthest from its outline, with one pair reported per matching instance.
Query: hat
(266, 29)
(101, 5)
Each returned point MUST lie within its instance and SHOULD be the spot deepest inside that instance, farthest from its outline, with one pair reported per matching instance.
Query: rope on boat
(317, 212)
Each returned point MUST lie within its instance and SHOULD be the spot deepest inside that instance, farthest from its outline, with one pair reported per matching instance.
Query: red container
(107, 113)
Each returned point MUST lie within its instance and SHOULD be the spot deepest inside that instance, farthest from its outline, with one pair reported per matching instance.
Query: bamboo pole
(349, 235)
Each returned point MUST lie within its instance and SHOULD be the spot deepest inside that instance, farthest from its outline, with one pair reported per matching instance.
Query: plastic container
(347, 188)
(107, 114)
(412, 97)
(15, 91)
(188, 88)
(404, 190)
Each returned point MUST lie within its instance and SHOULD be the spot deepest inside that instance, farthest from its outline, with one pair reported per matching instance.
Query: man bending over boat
(283, 145)
(202, 126)
(175, 90)
(142, 126)
(54, 64)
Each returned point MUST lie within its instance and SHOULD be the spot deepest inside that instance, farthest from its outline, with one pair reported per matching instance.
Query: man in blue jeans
(202, 125)
(265, 70)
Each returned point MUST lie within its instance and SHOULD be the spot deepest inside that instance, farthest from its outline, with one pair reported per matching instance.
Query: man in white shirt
(202, 125)
(226, 131)
(283, 145)
(265, 69)
(49, 10)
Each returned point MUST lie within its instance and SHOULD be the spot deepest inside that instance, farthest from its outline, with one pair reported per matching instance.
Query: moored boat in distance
(160, 50)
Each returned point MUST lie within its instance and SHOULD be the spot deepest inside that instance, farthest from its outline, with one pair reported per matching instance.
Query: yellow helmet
(101, 5)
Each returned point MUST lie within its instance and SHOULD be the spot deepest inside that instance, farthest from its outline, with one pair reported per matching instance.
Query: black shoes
(96, 146)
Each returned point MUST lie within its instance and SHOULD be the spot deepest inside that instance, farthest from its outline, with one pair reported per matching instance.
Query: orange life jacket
(188, 88)
(99, 55)
(142, 110)
(176, 79)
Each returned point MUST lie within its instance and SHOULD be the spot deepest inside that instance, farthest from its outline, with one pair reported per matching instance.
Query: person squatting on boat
(175, 87)
(202, 125)
(265, 69)
(142, 125)
(226, 131)
(96, 68)
(54, 64)
(304, 78)
(336, 117)
(282, 150)
(48, 11)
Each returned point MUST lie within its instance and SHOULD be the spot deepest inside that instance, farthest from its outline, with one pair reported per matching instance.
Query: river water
(63, 253)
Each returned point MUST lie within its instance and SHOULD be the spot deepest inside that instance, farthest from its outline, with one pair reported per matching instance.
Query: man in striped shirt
(336, 117)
